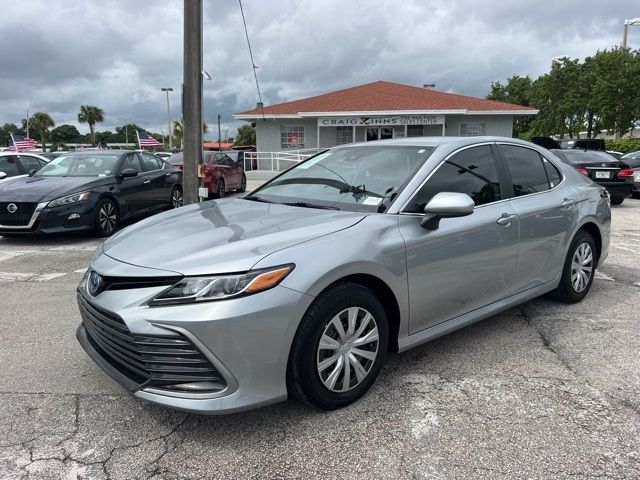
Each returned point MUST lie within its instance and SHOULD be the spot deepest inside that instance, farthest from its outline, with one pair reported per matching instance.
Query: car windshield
(89, 165)
(352, 178)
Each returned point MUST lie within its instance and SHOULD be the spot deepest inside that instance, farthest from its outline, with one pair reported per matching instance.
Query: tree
(178, 130)
(5, 133)
(40, 122)
(516, 91)
(246, 135)
(91, 114)
(65, 133)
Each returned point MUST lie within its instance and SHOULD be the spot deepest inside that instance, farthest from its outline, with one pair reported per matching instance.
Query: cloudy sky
(59, 54)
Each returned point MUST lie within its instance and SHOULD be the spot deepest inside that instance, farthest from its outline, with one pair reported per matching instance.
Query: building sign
(381, 121)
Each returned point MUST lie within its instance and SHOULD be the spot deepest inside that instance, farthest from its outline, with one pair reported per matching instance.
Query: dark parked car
(222, 173)
(614, 175)
(13, 164)
(91, 190)
(633, 160)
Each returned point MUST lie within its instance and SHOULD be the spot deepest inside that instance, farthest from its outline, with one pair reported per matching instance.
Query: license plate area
(602, 174)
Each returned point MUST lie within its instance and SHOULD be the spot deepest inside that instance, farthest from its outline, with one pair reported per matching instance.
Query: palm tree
(40, 122)
(91, 114)
(178, 131)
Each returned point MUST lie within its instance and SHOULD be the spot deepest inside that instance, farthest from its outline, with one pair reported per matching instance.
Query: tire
(635, 194)
(617, 200)
(567, 292)
(106, 217)
(243, 184)
(311, 370)
(220, 189)
(176, 199)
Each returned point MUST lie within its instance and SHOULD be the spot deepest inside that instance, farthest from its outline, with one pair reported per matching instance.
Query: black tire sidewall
(565, 291)
(220, 183)
(243, 184)
(96, 218)
(303, 378)
(617, 200)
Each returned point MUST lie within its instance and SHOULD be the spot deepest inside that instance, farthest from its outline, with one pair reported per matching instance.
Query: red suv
(222, 174)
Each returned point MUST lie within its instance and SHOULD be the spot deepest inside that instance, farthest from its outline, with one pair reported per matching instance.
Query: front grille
(20, 217)
(169, 362)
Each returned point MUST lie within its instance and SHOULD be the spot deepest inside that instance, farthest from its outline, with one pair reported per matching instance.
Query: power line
(253, 64)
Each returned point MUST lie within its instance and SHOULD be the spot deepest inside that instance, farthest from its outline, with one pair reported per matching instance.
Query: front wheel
(339, 348)
(176, 197)
(106, 217)
(579, 267)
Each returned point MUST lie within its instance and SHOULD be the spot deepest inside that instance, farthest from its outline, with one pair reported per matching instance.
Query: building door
(382, 133)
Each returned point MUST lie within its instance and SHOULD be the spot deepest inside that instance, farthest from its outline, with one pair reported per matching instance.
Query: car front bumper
(73, 217)
(247, 339)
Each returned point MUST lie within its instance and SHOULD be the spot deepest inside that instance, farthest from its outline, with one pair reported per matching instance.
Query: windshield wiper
(257, 198)
(310, 205)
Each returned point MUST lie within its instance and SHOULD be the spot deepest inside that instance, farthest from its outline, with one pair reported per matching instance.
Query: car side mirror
(446, 205)
(3, 175)
(32, 171)
(128, 173)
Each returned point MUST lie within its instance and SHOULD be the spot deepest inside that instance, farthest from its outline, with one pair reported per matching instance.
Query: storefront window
(344, 135)
(471, 129)
(415, 131)
(292, 136)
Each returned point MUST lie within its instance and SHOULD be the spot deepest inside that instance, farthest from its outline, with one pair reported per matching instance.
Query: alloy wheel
(176, 198)
(347, 349)
(581, 267)
(108, 217)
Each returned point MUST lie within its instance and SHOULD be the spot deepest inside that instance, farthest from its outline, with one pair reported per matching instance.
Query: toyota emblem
(12, 208)
(96, 284)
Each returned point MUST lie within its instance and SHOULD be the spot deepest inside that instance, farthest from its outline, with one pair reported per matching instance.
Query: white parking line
(603, 276)
(85, 247)
(28, 277)
(7, 254)
(80, 270)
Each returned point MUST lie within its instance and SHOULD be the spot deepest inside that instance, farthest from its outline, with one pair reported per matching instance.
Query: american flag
(23, 143)
(145, 140)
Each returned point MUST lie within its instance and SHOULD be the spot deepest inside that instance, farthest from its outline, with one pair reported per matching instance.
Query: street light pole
(167, 90)
(192, 101)
(632, 21)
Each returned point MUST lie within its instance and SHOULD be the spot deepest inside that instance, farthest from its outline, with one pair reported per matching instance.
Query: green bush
(623, 145)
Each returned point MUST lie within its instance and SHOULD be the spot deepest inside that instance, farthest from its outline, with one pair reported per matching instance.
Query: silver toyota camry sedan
(302, 287)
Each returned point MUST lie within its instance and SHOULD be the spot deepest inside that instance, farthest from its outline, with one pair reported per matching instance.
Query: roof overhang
(371, 113)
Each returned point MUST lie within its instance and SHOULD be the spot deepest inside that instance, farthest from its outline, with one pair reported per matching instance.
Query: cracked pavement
(543, 390)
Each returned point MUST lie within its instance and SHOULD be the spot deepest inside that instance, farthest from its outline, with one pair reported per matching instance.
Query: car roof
(8, 153)
(437, 141)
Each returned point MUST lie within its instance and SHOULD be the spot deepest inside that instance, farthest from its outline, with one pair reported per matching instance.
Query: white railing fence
(276, 161)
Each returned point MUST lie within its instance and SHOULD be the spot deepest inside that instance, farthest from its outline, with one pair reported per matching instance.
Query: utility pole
(167, 90)
(27, 123)
(192, 102)
(625, 33)
(219, 136)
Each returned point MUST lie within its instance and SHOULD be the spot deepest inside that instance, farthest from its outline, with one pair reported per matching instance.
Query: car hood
(38, 189)
(221, 236)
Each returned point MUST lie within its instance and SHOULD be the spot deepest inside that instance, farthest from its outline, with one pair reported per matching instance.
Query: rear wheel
(243, 184)
(617, 200)
(106, 217)
(339, 347)
(579, 267)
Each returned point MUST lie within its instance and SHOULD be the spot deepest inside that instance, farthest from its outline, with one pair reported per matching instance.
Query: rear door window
(472, 171)
(9, 166)
(527, 170)
(131, 161)
(29, 163)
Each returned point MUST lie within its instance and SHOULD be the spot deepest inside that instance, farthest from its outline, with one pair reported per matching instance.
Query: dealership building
(377, 111)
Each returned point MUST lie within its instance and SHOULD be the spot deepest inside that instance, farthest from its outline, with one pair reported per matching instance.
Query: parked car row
(88, 190)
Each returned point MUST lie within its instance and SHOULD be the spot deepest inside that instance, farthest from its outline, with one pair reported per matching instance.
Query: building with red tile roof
(375, 111)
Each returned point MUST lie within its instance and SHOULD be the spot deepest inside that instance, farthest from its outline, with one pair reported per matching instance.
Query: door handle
(167, 174)
(568, 202)
(147, 181)
(506, 219)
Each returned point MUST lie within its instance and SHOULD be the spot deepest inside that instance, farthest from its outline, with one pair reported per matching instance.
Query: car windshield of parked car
(352, 178)
(90, 165)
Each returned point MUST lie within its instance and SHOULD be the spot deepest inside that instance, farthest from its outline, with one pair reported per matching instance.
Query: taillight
(583, 171)
(625, 172)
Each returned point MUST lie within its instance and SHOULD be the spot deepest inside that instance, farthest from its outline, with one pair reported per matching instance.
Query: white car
(13, 164)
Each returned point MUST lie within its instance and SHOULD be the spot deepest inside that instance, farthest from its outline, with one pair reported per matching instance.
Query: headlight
(74, 198)
(198, 289)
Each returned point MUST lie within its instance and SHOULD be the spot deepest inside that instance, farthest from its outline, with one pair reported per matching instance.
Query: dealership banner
(381, 121)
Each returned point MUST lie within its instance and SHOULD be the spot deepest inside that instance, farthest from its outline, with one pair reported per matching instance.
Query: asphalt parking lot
(541, 391)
